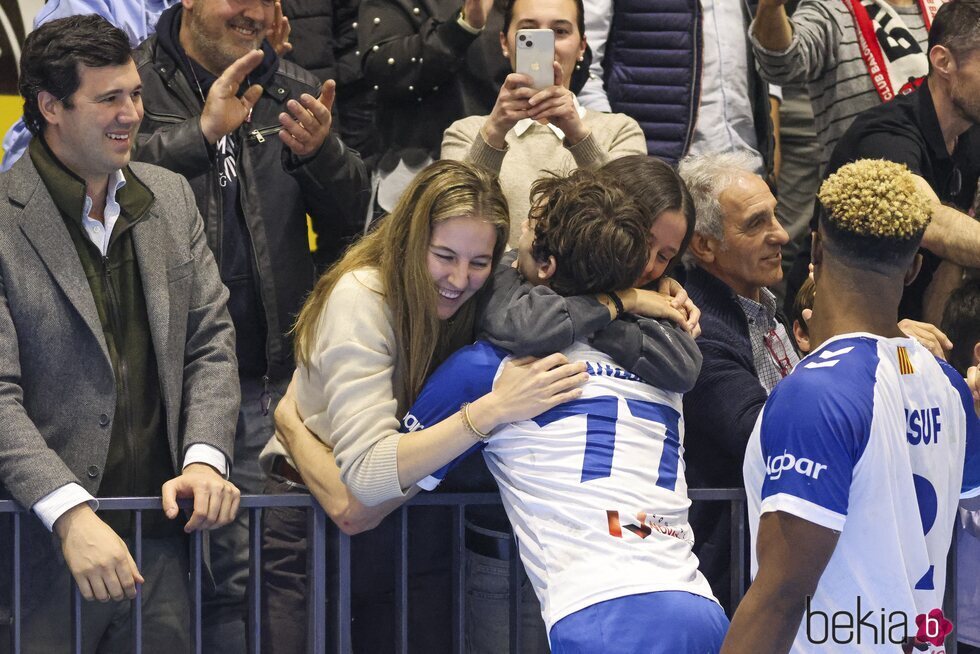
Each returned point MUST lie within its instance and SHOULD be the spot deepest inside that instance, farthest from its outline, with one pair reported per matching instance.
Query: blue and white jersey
(594, 488)
(868, 437)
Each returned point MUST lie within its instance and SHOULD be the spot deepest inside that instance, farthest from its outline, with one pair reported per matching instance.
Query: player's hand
(680, 300)
(278, 34)
(215, 498)
(928, 335)
(556, 105)
(224, 111)
(96, 556)
(511, 107)
(306, 126)
(528, 387)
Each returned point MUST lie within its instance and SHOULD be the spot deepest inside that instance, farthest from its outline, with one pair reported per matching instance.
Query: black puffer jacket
(277, 189)
(428, 72)
(324, 39)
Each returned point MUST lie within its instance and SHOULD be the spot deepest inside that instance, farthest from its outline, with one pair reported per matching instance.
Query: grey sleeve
(209, 405)
(532, 320)
(660, 352)
(813, 50)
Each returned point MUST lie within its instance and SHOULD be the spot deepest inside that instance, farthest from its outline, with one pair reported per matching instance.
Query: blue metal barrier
(338, 596)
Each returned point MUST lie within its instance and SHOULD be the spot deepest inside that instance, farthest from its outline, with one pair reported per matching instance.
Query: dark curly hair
(596, 232)
(53, 52)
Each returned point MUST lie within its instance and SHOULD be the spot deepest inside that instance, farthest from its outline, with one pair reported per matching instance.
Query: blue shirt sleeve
(814, 430)
(464, 377)
(971, 464)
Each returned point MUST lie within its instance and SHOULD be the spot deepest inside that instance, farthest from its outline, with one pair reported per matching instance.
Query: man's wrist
(206, 133)
(200, 466)
(64, 523)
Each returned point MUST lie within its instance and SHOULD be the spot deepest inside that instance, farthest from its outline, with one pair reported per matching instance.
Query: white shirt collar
(99, 232)
(525, 123)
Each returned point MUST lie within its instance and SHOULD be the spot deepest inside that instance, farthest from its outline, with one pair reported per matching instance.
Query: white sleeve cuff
(208, 454)
(53, 505)
(466, 26)
(804, 509)
(776, 91)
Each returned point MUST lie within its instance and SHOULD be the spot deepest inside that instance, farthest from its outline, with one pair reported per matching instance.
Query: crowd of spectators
(168, 174)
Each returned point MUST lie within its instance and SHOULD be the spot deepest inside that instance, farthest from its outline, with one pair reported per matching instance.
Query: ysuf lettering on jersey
(924, 426)
(786, 462)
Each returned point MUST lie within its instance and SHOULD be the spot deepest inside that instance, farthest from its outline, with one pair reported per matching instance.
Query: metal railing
(329, 605)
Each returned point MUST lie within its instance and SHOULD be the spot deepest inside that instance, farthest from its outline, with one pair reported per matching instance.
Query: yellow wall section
(11, 107)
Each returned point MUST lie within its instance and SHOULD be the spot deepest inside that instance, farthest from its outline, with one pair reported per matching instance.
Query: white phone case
(535, 54)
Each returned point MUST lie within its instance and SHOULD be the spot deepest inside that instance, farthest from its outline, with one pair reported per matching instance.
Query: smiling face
(749, 255)
(217, 32)
(560, 16)
(459, 260)
(93, 133)
(665, 238)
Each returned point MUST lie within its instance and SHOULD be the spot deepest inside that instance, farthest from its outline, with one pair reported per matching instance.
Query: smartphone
(535, 54)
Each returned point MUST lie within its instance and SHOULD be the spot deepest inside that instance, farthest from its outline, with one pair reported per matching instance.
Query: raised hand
(475, 12)
(224, 111)
(511, 106)
(278, 34)
(306, 126)
(556, 105)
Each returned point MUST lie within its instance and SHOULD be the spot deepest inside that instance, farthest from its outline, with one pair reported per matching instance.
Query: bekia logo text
(875, 627)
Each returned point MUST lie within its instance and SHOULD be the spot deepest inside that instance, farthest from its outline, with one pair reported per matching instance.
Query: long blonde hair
(398, 249)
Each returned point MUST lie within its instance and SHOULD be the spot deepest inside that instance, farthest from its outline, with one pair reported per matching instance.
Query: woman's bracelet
(464, 415)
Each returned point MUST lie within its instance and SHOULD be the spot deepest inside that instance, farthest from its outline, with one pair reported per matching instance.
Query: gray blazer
(57, 392)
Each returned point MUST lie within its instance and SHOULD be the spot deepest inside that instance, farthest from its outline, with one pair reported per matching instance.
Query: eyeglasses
(777, 351)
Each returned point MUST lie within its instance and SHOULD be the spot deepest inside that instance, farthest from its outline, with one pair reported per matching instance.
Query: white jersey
(868, 437)
(594, 488)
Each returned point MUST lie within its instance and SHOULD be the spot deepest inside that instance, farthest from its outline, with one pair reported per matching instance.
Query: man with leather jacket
(252, 134)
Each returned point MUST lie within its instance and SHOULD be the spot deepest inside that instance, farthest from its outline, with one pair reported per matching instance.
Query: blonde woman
(376, 324)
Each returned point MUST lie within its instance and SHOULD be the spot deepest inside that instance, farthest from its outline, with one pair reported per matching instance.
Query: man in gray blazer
(117, 368)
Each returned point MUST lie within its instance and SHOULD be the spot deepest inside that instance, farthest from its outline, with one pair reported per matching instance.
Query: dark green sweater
(139, 460)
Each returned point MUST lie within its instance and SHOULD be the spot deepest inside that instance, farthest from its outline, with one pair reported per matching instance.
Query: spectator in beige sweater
(530, 130)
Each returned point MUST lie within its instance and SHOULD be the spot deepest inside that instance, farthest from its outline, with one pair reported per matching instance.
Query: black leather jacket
(277, 189)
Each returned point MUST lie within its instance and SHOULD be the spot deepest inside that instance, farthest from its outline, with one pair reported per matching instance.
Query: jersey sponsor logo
(786, 462)
(923, 426)
(904, 362)
(646, 524)
(410, 423)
